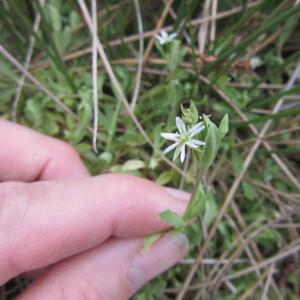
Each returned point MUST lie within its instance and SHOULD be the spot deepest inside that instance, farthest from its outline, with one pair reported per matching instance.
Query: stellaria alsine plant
(204, 139)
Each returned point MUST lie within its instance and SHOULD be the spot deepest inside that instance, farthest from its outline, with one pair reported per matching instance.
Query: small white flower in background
(163, 37)
(182, 138)
(255, 62)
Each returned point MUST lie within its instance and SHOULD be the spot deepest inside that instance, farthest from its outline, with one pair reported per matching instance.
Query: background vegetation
(236, 57)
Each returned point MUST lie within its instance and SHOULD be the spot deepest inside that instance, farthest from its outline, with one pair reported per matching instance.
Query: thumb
(115, 270)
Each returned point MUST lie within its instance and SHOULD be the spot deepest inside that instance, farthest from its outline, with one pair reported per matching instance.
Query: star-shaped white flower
(184, 137)
(163, 37)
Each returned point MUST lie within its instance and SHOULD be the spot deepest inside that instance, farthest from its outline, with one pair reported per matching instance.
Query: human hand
(87, 232)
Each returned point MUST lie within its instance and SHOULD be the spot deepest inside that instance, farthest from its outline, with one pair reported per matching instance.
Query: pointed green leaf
(211, 209)
(196, 204)
(224, 125)
(249, 191)
(172, 218)
(237, 162)
(133, 164)
(212, 143)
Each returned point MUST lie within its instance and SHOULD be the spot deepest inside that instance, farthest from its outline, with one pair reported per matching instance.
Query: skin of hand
(85, 232)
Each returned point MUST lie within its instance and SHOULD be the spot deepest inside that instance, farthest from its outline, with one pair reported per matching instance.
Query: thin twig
(267, 136)
(264, 86)
(213, 261)
(202, 33)
(16, 99)
(213, 26)
(264, 295)
(95, 72)
(158, 26)
(141, 55)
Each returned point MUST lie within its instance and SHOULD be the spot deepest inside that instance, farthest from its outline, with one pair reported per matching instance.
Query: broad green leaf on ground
(211, 209)
(237, 162)
(249, 191)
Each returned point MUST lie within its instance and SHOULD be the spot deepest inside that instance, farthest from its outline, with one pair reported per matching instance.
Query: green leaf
(224, 125)
(196, 204)
(165, 177)
(174, 93)
(249, 191)
(174, 55)
(172, 218)
(55, 17)
(212, 143)
(237, 162)
(211, 209)
(150, 240)
(133, 164)
(294, 277)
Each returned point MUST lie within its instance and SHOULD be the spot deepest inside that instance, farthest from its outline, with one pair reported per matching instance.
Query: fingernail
(179, 194)
(162, 255)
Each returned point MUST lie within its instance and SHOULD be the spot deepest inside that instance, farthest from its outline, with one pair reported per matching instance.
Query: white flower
(182, 138)
(163, 37)
(255, 62)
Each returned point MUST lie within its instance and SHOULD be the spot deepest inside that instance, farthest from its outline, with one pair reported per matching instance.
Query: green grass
(259, 188)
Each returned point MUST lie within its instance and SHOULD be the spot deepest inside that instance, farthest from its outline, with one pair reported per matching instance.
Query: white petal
(172, 36)
(160, 40)
(170, 136)
(197, 142)
(163, 34)
(177, 151)
(181, 126)
(192, 145)
(170, 148)
(196, 129)
(182, 155)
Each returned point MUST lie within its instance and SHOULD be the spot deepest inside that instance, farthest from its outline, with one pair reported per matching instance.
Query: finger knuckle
(12, 201)
(12, 210)
(15, 214)
(127, 184)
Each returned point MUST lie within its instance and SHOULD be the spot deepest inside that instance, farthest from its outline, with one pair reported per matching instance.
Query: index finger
(26, 155)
